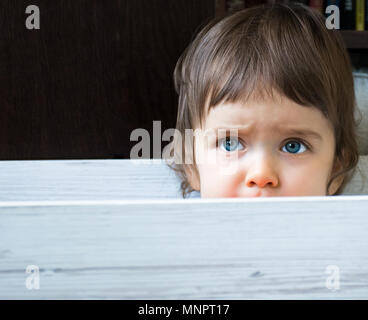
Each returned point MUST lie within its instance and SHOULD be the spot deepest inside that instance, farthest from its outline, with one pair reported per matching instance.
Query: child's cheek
(217, 182)
(302, 183)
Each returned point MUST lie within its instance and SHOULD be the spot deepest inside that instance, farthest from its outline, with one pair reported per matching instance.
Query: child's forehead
(257, 95)
(263, 113)
(228, 108)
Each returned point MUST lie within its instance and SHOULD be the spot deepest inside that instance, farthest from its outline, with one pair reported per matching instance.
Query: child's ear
(336, 183)
(193, 178)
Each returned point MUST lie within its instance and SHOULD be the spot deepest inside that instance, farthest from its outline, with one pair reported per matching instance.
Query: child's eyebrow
(302, 132)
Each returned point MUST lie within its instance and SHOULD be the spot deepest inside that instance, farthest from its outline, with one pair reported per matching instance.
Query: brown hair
(279, 47)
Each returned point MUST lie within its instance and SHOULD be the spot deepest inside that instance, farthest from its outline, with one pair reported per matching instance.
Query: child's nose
(262, 174)
(261, 181)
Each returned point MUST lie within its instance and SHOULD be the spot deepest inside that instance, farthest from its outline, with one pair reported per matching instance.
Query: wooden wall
(95, 71)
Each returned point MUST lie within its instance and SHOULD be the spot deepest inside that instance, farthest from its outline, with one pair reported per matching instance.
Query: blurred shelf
(355, 39)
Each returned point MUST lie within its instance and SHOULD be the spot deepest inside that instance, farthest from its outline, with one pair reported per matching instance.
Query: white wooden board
(88, 180)
(274, 248)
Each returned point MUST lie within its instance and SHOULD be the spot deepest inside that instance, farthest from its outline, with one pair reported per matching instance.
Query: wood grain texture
(275, 248)
(87, 180)
(117, 229)
(108, 180)
(95, 71)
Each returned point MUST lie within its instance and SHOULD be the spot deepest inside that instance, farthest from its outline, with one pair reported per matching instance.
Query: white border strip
(181, 201)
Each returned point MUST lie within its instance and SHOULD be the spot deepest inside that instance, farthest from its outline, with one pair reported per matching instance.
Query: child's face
(269, 157)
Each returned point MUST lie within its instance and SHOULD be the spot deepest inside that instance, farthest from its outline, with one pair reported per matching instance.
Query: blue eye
(230, 144)
(294, 147)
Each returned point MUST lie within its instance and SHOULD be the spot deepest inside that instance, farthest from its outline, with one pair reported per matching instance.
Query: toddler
(268, 92)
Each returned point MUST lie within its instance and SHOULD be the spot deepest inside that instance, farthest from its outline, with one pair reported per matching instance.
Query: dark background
(95, 71)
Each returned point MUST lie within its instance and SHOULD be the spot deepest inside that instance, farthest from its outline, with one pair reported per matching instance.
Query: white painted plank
(273, 248)
(88, 180)
(107, 180)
